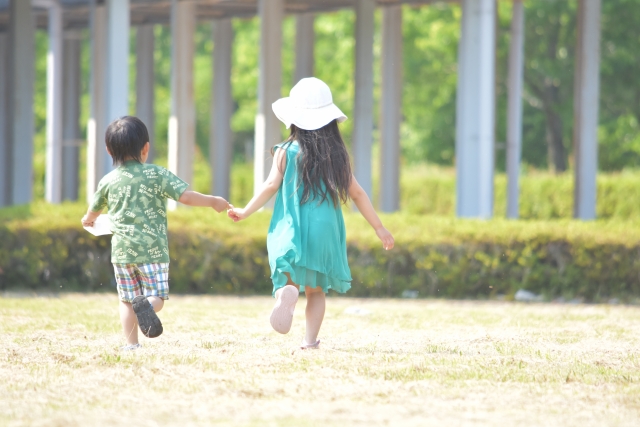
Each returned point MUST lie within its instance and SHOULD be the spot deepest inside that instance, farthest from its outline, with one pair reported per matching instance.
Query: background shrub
(44, 248)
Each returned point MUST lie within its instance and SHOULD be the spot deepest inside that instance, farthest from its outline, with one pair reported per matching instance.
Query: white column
(475, 110)
(117, 59)
(98, 161)
(305, 42)
(53, 173)
(145, 82)
(221, 137)
(586, 94)
(71, 113)
(182, 120)
(391, 108)
(5, 153)
(267, 128)
(363, 106)
(21, 77)
(514, 108)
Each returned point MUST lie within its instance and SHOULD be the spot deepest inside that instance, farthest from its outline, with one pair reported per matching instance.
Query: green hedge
(542, 195)
(44, 248)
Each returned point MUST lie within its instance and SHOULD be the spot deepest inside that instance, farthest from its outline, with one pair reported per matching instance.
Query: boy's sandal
(282, 313)
(314, 346)
(148, 320)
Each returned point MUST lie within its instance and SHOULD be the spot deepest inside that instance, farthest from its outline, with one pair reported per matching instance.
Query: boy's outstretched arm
(193, 198)
(360, 198)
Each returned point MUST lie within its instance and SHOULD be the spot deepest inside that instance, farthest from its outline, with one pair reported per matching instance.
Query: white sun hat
(309, 106)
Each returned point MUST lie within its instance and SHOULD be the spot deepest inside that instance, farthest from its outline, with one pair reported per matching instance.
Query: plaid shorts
(142, 279)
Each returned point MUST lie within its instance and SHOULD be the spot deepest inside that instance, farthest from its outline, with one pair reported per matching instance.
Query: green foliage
(543, 196)
(431, 34)
(43, 247)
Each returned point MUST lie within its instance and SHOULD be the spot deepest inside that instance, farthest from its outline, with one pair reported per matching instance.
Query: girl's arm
(193, 198)
(268, 189)
(360, 198)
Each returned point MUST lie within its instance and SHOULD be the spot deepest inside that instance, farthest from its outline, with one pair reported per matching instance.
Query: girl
(312, 175)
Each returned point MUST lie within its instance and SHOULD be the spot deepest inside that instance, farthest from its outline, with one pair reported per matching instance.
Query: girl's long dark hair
(323, 158)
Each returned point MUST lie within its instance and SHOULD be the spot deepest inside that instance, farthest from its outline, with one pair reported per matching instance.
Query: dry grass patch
(382, 362)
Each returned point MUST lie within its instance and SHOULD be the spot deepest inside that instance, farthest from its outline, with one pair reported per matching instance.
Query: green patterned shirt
(136, 195)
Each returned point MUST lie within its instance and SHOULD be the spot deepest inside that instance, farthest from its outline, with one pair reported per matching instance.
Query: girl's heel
(282, 313)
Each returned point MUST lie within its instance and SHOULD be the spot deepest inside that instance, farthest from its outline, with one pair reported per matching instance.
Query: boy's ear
(145, 148)
(108, 152)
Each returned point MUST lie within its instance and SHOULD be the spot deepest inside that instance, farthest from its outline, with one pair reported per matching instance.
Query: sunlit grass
(394, 362)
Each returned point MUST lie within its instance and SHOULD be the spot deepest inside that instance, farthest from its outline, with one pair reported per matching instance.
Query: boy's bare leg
(314, 313)
(129, 323)
(156, 302)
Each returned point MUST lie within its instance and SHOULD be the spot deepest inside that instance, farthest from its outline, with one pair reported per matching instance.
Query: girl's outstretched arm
(360, 198)
(268, 189)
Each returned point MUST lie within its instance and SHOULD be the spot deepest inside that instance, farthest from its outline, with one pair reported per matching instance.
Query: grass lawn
(382, 362)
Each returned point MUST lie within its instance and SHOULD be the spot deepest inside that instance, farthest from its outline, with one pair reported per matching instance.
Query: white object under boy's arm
(101, 226)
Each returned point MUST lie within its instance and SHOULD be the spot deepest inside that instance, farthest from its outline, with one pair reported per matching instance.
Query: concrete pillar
(53, 173)
(20, 102)
(586, 96)
(71, 115)
(221, 137)
(182, 119)
(145, 82)
(305, 42)
(514, 108)
(117, 59)
(363, 106)
(5, 176)
(98, 161)
(476, 110)
(267, 129)
(391, 108)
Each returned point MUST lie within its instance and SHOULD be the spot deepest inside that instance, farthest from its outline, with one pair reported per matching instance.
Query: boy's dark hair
(324, 169)
(125, 139)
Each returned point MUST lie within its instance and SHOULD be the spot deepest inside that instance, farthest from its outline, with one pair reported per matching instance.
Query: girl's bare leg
(314, 313)
(129, 323)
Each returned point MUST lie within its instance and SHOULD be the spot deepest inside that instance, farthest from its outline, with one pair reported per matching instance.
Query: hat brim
(307, 119)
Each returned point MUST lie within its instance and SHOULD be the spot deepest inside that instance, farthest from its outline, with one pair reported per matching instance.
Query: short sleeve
(172, 186)
(100, 198)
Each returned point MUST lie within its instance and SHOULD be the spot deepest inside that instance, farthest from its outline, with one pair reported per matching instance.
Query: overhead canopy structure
(110, 22)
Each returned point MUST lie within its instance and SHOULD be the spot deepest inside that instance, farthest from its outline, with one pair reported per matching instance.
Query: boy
(136, 194)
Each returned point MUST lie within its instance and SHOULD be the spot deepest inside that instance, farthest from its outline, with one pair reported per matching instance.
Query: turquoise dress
(308, 240)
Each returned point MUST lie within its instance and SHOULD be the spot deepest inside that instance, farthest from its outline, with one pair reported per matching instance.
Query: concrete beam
(586, 96)
(53, 173)
(363, 105)
(267, 129)
(475, 110)
(182, 119)
(21, 77)
(98, 161)
(514, 108)
(305, 42)
(145, 82)
(221, 137)
(71, 115)
(391, 108)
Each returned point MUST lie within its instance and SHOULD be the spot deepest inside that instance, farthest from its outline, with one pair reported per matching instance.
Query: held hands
(385, 236)
(236, 214)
